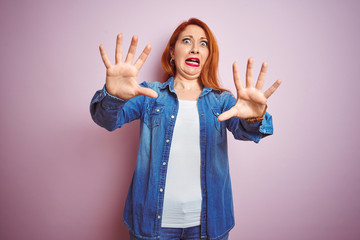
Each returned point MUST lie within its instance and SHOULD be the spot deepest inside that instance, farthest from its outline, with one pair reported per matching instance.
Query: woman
(181, 185)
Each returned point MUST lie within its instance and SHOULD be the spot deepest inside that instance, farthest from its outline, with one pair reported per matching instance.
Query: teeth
(192, 60)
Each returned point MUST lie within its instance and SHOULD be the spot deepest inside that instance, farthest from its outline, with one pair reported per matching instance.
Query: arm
(250, 103)
(111, 112)
(122, 98)
(244, 130)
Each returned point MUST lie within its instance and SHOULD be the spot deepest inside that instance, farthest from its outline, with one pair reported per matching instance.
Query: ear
(171, 50)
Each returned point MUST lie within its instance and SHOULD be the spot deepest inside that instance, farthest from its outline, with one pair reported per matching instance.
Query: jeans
(191, 233)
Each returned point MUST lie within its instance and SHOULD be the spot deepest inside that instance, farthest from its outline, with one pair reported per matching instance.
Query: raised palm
(251, 102)
(121, 78)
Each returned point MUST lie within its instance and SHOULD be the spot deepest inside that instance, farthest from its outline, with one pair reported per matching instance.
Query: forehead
(193, 30)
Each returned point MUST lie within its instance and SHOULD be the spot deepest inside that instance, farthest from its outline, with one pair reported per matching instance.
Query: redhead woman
(181, 185)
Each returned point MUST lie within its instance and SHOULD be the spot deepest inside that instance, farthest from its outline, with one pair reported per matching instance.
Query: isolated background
(64, 177)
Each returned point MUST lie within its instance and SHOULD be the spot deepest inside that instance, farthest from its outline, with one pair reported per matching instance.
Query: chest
(162, 113)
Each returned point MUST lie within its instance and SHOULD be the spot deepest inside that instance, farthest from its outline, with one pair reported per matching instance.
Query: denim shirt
(144, 203)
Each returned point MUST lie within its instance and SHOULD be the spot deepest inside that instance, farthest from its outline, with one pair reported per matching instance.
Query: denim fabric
(191, 233)
(144, 203)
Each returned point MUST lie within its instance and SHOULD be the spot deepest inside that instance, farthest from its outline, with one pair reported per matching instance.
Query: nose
(194, 49)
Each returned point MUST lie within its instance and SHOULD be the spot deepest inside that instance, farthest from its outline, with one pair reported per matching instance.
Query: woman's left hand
(251, 102)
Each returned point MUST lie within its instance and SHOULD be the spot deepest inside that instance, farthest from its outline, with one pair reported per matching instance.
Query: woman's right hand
(121, 78)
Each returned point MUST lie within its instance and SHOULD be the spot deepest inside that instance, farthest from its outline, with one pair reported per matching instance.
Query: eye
(186, 40)
(204, 43)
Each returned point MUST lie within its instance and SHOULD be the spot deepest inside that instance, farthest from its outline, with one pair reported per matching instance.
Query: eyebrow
(193, 37)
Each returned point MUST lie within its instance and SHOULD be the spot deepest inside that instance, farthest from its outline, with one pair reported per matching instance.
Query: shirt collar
(169, 83)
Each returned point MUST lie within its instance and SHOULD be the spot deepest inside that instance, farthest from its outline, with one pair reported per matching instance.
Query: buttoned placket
(202, 118)
(164, 162)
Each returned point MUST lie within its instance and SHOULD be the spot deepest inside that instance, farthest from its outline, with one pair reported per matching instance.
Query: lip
(193, 64)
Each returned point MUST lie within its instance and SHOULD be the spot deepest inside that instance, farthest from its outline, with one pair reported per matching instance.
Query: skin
(121, 78)
(251, 101)
(191, 43)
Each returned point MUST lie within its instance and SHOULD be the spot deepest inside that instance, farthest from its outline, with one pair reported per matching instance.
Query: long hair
(208, 76)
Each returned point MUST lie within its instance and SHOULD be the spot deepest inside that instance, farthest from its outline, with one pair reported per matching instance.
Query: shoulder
(225, 94)
(224, 100)
(152, 85)
(221, 96)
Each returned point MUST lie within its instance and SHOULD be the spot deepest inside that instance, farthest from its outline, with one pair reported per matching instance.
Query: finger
(147, 92)
(118, 50)
(132, 50)
(272, 89)
(261, 79)
(140, 61)
(237, 79)
(104, 56)
(249, 73)
(228, 114)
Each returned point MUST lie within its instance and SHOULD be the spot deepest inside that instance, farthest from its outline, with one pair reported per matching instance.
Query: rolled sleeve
(111, 102)
(112, 112)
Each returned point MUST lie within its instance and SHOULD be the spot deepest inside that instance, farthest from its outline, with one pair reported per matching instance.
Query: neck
(187, 84)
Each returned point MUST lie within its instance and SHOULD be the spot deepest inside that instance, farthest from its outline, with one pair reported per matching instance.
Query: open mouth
(193, 62)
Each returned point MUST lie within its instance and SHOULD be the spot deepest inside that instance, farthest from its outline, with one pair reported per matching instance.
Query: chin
(193, 75)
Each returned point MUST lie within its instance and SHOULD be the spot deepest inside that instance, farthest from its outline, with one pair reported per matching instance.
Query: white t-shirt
(182, 199)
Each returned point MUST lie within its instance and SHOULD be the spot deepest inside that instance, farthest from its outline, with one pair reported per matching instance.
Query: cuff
(109, 101)
(266, 124)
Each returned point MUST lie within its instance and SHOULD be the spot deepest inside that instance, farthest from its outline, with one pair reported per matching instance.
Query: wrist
(256, 119)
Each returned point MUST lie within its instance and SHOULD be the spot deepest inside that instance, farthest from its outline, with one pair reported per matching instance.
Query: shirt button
(217, 114)
(164, 163)
(204, 163)
(202, 115)
(158, 110)
(161, 190)
(159, 217)
(167, 140)
(172, 116)
(203, 139)
(204, 216)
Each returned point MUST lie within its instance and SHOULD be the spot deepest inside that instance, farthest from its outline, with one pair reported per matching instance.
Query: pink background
(63, 177)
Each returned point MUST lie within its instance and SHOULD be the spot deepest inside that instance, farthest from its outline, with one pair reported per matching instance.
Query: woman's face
(190, 52)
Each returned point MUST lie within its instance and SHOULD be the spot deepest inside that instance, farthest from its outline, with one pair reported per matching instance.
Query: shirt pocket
(153, 115)
(218, 125)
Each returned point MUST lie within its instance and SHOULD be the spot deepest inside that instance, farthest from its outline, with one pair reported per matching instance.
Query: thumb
(147, 92)
(228, 114)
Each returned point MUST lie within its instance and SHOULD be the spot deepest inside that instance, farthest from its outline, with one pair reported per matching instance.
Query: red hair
(208, 76)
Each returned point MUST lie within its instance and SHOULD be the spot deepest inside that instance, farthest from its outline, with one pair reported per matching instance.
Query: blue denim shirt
(144, 203)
